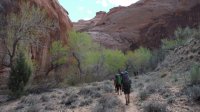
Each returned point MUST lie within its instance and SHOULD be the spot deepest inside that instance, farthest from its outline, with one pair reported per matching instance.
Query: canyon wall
(144, 23)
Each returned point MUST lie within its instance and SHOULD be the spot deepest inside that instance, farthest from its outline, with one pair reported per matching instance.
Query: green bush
(58, 53)
(195, 74)
(19, 75)
(138, 59)
(183, 33)
(168, 44)
(114, 60)
(181, 36)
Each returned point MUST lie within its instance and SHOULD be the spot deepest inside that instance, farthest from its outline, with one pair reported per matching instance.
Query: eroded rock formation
(86, 24)
(145, 23)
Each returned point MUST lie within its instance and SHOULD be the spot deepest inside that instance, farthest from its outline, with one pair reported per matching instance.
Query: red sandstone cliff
(145, 23)
(85, 24)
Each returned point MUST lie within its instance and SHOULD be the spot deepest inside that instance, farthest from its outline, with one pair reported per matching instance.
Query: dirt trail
(131, 107)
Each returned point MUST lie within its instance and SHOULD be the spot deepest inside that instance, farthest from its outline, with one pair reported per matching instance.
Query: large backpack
(125, 79)
(118, 79)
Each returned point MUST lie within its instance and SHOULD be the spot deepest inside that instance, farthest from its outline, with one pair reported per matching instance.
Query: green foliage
(92, 61)
(114, 60)
(19, 75)
(181, 36)
(139, 58)
(183, 33)
(58, 53)
(195, 74)
(106, 62)
(79, 42)
(168, 44)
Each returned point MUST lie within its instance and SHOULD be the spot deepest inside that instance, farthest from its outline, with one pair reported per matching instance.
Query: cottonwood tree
(79, 44)
(59, 53)
(25, 27)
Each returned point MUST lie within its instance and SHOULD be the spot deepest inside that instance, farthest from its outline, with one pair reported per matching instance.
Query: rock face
(86, 24)
(145, 23)
(55, 11)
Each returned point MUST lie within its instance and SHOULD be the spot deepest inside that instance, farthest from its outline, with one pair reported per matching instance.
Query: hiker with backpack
(126, 86)
(118, 84)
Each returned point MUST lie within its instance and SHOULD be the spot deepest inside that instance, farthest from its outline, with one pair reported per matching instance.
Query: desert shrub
(181, 36)
(157, 57)
(30, 100)
(143, 95)
(195, 74)
(108, 88)
(72, 79)
(50, 107)
(34, 108)
(138, 58)
(155, 106)
(193, 93)
(171, 99)
(86, 102)
(184, 32)
(72, 100)
(89, 92)
(170, 44)
(154, 87)
(197, 33)
(19, 75)
(44, 98)
(109, 104)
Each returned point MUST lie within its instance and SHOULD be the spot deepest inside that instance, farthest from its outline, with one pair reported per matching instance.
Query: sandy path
(131, 107)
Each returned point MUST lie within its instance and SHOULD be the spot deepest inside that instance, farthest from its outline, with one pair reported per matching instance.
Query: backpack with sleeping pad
(126, 81)
(118, 79)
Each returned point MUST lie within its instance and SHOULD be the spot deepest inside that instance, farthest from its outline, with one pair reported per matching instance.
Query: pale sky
(86, 9)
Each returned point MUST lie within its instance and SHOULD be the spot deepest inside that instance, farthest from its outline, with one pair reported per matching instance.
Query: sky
(86, 9)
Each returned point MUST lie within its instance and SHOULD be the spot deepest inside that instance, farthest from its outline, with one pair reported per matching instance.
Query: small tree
(79, 44)
(58, 54)
(114, 60)
(19, 75)
(25, 27)
(138, 58)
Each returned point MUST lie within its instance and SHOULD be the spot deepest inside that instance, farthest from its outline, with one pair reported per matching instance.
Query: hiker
(126, 86)
(118, 84)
